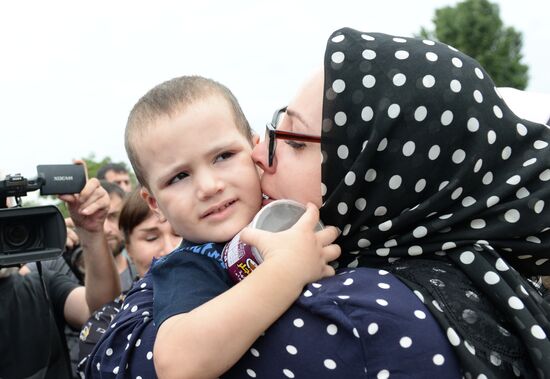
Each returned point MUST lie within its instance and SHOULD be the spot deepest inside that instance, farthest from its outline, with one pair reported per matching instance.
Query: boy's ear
(255, 139)
(152, 203)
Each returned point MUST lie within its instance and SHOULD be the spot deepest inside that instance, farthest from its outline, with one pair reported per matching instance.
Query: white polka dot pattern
(447, 163)
(421, 159)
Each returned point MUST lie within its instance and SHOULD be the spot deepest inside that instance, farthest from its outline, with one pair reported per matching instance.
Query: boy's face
(200, 172)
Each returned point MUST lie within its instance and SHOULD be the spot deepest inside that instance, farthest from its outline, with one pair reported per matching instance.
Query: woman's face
(150, 239)
(296, 170)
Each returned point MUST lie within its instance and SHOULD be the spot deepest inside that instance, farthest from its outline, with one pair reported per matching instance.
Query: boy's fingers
(252, 236)
(309, 218)
(331, 252)
(328, 235)
(328, 271)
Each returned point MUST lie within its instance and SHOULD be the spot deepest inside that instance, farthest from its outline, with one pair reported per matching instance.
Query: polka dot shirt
(359, 323)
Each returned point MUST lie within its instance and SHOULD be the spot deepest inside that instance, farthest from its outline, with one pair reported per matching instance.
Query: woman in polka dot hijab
(423, 159)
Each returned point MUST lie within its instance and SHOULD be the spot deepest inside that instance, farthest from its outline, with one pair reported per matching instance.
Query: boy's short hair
(116, 167)
(168, 98)
(134, 211)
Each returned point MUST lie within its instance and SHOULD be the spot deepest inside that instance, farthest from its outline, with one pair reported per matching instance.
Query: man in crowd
(115, 173)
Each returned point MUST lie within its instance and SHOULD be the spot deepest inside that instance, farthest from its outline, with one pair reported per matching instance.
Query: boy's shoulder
(209, 250)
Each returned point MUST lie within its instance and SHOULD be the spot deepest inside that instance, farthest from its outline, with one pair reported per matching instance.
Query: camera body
(36, 233)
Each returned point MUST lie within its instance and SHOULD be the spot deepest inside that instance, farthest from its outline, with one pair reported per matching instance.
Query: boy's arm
(210, 339)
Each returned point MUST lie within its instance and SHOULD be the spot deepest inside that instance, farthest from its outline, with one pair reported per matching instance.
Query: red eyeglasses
(272, 134)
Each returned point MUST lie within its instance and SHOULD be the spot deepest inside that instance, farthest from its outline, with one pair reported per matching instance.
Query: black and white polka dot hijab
(422, 159)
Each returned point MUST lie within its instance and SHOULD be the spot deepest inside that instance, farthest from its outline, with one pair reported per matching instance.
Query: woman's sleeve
(359, 323)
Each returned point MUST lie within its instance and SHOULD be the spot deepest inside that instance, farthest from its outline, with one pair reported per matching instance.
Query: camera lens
(16, 235)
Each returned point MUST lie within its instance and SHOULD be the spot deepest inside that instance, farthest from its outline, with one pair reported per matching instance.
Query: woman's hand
(304, 252)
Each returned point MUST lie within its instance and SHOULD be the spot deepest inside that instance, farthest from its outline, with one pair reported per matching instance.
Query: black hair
(112, 188)
(116, 167)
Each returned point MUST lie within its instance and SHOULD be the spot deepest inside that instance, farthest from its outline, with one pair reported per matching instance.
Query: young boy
(190, 145)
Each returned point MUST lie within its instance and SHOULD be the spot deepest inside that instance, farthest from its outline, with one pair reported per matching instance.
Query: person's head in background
(190, 144)
(146, 235)
(115, 173)
(115, 238)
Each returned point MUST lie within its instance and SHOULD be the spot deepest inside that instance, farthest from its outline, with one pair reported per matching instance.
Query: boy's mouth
(218, 208)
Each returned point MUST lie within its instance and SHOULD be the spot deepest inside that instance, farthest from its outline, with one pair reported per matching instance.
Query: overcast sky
(70, 71)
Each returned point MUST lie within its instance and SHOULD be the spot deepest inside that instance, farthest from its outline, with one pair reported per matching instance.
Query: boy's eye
(150, 238)
(178, 177)
(295, 144)
(223, 156)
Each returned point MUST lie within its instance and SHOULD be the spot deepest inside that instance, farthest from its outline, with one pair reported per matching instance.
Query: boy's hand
(89, 208)
(304, 252)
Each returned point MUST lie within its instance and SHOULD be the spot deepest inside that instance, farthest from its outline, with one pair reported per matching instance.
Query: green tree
(94, 164)
(475, 28)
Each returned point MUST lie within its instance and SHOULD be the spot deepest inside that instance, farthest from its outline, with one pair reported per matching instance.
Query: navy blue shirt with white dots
(359, 323)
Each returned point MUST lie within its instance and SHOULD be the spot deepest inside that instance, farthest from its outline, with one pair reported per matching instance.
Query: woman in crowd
(442, 195)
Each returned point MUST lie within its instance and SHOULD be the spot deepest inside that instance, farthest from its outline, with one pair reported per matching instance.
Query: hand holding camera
(89, 208)
(36, 233)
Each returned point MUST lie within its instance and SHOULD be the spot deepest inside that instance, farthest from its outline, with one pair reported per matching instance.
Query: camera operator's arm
(88, 211)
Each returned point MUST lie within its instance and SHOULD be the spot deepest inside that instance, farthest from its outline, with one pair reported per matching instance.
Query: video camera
(35, 233)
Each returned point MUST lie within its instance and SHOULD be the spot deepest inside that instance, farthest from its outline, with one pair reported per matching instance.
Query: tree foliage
(475, 28)
(94, 165)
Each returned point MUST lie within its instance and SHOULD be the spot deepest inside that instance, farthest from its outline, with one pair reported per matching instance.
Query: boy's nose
(259, 156)
(208, 185)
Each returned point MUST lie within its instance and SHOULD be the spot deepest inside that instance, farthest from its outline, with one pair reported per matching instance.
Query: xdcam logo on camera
(62, 178)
